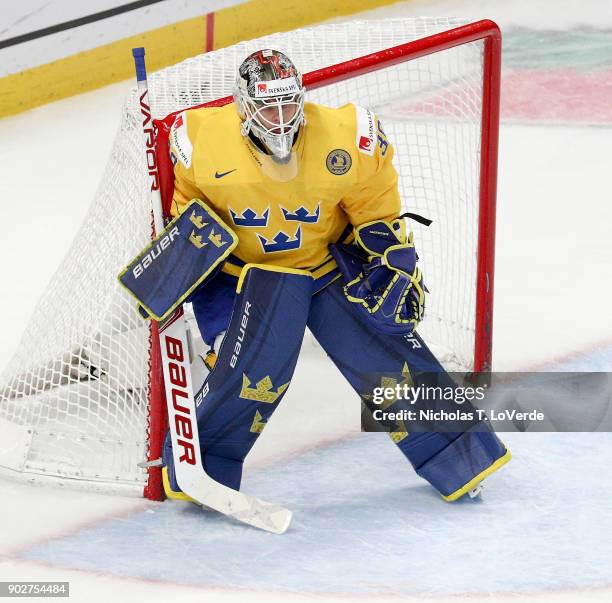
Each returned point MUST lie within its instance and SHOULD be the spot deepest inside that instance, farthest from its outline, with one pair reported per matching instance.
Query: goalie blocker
(171, 267)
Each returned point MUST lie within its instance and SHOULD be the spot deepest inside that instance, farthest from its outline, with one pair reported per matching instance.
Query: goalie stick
(190, 474)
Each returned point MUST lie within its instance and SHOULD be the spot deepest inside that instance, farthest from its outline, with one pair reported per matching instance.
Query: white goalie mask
(269, 97)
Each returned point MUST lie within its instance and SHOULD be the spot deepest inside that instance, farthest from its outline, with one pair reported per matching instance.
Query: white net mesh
(74, 399)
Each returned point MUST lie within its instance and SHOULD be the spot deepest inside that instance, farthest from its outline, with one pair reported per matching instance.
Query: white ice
(365, 525)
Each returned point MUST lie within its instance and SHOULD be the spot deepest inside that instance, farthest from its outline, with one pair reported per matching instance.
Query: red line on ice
(561, 95)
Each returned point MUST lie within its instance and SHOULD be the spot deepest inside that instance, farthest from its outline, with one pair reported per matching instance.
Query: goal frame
(485, 30)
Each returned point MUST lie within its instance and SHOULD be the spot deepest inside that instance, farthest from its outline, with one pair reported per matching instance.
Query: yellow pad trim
(170, 493)
(232, 269)
(500, 462)
(269, 268)
(210, 360)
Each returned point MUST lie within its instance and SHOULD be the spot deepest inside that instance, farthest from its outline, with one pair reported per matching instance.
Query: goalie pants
(257, 359)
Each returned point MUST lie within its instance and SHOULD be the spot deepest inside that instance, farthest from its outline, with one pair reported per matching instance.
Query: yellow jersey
(340, 173)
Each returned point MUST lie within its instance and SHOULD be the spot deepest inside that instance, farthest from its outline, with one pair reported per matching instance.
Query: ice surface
(392, 534)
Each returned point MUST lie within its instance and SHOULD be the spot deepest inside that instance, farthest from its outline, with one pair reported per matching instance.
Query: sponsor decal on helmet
(339, 162)
(288, 85)
(366, 131)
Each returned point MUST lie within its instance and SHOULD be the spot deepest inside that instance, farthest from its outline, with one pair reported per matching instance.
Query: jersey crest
(301, 214)
(281, 241)
(338, 162)
(249, 218)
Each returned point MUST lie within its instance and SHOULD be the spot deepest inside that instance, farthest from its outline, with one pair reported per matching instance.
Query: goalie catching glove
(384, 284)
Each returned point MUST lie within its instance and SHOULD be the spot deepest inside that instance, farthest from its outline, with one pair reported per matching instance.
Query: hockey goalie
(302, 207)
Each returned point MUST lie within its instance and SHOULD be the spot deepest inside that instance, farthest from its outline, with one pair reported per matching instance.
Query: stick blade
(242, 507)
(264, 515)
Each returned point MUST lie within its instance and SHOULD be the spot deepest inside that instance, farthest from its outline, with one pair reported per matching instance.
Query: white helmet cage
(269, 97)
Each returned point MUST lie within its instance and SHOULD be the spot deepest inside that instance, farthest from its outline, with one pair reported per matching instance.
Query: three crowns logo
(262, 392)
(196, 239)
(301, 214)
(258, 423)
(250, 218)
(401, 433)
(197, 220)
(281, 241)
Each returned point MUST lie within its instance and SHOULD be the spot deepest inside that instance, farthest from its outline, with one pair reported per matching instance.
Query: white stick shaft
(190, 474)
(148, 132)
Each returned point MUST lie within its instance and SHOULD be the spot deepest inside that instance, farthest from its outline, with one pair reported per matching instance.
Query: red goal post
(485, 30)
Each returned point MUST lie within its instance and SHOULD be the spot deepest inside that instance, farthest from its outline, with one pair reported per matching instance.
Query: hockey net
(77, 398)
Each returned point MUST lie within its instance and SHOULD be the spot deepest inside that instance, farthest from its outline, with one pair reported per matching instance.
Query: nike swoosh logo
(221, 174)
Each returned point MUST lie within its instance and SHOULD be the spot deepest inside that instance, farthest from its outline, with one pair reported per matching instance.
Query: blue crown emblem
(281, 241)
(301, 214)
(249, 217)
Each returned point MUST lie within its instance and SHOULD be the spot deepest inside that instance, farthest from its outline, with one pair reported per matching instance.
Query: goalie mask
(269, 98)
